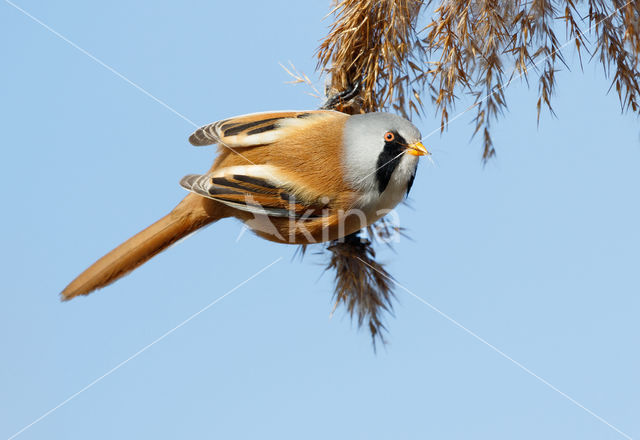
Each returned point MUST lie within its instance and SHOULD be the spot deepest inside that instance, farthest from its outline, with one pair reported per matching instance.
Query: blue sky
(536, 253)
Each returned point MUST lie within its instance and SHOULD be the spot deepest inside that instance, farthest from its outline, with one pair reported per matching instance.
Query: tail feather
(191, 214)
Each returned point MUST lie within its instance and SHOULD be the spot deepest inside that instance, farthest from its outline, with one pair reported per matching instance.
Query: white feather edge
(267, 137)
(268, 172)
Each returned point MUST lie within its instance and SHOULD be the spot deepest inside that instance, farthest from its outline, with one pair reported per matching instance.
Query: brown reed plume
(475, 48)
(379, 57)
(373, 43)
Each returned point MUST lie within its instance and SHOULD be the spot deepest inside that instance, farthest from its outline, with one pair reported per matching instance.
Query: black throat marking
(388, 161)
(411, 180)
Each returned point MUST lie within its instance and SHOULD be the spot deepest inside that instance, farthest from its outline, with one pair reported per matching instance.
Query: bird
(294, 177)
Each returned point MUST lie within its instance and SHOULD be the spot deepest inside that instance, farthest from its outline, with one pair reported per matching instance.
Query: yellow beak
(417, 149)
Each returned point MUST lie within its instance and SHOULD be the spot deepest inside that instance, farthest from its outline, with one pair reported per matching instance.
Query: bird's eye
(389, 137)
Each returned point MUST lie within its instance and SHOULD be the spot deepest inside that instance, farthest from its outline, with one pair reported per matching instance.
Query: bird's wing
(255, 129)
(248, 188)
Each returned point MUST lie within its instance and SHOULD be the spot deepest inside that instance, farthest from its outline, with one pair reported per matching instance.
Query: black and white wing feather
(253, 193)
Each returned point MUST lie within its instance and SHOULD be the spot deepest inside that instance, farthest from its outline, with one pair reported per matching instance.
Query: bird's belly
(370, 207)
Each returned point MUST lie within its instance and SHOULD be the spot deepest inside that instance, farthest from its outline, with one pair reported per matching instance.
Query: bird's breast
(376, 205)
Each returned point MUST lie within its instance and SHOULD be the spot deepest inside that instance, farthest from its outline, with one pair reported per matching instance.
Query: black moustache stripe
(388, 161)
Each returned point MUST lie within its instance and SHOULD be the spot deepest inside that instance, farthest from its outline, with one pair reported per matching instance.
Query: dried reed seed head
(363, 286)
(371, 42)
(476, 48)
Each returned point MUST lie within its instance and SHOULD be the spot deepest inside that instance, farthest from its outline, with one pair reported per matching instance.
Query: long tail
(192, 213)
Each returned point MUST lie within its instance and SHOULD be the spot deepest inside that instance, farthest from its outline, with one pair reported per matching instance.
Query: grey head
(375, 146)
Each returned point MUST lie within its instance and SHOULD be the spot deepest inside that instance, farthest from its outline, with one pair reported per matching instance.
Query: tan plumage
(282, 173)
